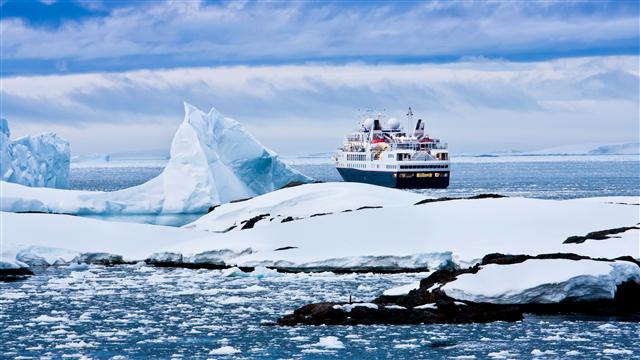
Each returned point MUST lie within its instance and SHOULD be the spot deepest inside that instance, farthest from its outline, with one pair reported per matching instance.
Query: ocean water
(545, 177)
(138, 312)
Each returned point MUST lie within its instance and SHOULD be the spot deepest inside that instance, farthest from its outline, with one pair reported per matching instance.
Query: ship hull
(401, 180)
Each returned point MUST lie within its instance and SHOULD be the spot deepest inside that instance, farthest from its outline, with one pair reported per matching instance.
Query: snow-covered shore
(387, 230)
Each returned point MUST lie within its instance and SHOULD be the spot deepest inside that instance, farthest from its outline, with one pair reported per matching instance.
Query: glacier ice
(36, 160)
(213, 160)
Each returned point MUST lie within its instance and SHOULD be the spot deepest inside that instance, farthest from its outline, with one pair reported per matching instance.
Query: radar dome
(393, 124)
(368, 123)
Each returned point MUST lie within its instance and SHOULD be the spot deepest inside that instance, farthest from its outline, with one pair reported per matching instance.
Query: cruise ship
(380, 152)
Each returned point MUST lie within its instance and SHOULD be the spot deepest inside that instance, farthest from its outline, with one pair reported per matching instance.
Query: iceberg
(213, 160)
(37, 160)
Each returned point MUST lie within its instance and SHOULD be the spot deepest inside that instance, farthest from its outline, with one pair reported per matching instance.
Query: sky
(112, 76)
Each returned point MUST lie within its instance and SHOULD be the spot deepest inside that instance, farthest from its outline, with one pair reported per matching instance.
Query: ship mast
(409, 120)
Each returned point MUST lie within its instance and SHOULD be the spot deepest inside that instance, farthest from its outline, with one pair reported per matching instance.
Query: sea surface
(544, 177)
(140, 312)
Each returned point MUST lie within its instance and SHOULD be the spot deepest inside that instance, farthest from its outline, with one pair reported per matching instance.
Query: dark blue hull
(401, 180)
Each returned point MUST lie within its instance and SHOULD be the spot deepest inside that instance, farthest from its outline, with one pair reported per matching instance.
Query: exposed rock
(428, 304)
(293, 184)
(320, 214)
(14, 274)
(332, 314)
(349, 270)
(248, 224)
(286, 248)
(369, 207)
(475, 197)
(598, 235)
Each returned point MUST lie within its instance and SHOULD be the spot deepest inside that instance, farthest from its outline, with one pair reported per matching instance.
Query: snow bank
(543, 281)
(213, 161)
(466, 230)
(433, 235)
(301, 202)
(45, 239)
(37, 160)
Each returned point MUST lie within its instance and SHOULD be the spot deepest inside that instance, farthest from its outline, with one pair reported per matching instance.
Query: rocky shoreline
(429, 304)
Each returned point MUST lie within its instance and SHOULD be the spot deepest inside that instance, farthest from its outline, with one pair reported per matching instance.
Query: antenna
(409, 120)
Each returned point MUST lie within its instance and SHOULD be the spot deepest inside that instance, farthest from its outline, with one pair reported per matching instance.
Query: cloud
(192, 33)
(476, 105)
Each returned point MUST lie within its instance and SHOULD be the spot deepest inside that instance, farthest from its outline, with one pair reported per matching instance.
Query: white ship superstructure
(380, 152)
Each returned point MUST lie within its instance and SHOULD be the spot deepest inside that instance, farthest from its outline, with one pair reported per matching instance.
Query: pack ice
(37, 160)
(213, 160)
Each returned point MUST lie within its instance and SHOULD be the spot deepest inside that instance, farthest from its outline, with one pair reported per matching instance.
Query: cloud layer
(192, 33)
(477, 105)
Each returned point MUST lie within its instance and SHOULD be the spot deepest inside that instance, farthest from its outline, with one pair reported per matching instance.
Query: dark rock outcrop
(475, 197)
(9, 275)
(328, 314)
(428, 304)
(248, 224)
(598, 235)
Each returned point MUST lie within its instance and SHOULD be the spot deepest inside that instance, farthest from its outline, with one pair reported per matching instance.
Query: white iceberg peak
(214, 160)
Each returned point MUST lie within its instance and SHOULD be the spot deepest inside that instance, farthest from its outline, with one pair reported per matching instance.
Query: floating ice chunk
(78, 267)
(47, 318)
(617, 352)
(328, 342)
(224, 350)
(538, 352)
(503, 354)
